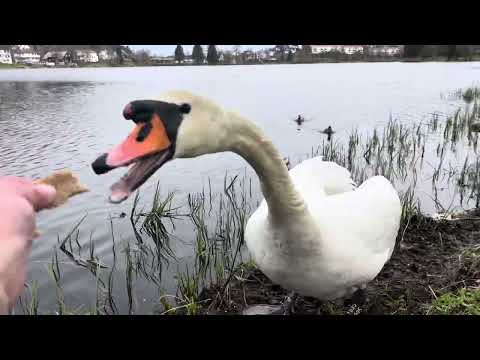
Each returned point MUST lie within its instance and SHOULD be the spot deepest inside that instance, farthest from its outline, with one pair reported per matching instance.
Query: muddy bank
(432, 258)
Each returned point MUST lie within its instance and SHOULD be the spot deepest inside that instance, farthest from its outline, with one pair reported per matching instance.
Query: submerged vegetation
(435, 268)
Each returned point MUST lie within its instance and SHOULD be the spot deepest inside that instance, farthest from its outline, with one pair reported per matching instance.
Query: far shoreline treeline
(22, 56)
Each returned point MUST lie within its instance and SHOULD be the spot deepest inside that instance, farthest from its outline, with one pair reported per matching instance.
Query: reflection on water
(64, 118)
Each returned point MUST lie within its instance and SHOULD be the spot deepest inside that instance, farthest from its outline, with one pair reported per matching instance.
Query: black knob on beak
(128, 112)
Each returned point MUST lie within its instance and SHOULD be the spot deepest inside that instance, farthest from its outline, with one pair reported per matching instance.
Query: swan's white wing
(361, 225)
(314, 175)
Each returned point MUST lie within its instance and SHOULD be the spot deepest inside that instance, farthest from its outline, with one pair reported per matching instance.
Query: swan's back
(315, 174)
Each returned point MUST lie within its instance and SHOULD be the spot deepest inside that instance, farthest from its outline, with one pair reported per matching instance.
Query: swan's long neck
(248, 141)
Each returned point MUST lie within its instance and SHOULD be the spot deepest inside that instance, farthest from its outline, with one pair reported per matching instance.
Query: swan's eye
(142, 117)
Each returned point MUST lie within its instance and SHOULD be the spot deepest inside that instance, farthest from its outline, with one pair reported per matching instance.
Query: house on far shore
(267, 55)
(322, 49)
(352, 49)
(163, 60)
(5, 57)
(85, 56)
(105, 55)
(57, 58)
(347, 49)
(393, 50)
(249, 56)
(28, 57)
(188, 59)
(385, 50)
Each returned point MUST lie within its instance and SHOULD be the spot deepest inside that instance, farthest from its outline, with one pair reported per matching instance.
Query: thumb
(42, 196)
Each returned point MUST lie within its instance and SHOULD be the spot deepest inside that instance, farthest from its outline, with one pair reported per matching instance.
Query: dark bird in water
(300, 120)
(328, 131)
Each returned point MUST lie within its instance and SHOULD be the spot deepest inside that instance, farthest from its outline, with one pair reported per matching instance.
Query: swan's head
(177, 125)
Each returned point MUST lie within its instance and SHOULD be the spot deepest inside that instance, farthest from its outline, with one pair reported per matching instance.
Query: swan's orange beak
(146, 139)
(148, 146)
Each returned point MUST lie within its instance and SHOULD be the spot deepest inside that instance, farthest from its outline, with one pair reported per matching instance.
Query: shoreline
(402, 60)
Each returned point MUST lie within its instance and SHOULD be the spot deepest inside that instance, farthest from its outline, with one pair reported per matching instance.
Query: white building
(385, 50)
(293, 48)
(105, 55)
(22, 47)
(322, 49)
(163, 59)
(262, 54)
(347, 49)
(249, 55)
(352, 49)
(27, 57)
(57, 58)
(87, 56)
(5, 57)
(393, 50)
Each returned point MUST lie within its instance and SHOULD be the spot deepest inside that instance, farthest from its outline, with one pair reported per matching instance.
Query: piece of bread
(66, 184)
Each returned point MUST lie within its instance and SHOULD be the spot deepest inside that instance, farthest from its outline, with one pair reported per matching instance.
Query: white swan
(315, 233)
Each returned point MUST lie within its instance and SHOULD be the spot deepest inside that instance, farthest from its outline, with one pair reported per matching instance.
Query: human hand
(19, 200)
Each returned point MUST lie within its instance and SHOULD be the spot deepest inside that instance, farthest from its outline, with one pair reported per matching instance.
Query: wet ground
(432, 259)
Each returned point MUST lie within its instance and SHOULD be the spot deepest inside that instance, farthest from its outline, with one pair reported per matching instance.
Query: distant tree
(465, 51)
(305, 54)
(37, 49)
(237, 54)
(179, 55)
(290, 56)
(212, 55)
(227, 57)
(412, 51)
(237, 49)
(142, 57)
(366, 51)
(280, 51)
(452, 52)
(429, 51)
(119, 53)
(306, 49)
(96, 48)
(442, 50)
(197, 54)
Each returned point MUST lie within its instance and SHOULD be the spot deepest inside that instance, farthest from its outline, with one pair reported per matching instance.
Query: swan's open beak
(147, 148)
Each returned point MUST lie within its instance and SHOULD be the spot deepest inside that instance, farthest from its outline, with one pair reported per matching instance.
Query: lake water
(64, 118)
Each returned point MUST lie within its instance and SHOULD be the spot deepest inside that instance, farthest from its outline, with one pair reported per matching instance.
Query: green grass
(12, 66)
(462, 302)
